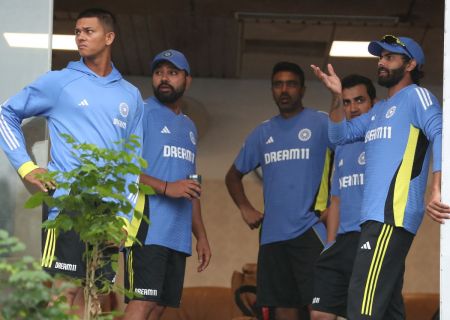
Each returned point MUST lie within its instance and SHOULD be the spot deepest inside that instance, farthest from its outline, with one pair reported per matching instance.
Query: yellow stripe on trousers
(375, 268)
(130, 270)
(49, 249)
(52, 248)
(44, 253)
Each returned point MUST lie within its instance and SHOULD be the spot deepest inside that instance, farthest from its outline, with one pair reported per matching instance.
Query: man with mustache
(294, 154)
(398, 133)
(334, 267)
(155, 271)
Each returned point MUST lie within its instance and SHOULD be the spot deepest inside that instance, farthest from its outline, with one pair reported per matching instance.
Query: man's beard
(168, 97)
(394, 76)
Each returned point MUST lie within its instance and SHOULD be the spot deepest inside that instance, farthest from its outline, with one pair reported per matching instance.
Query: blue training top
(348, 184)
(397, 133)
(295, 156)
(78, 102)
(170, 147)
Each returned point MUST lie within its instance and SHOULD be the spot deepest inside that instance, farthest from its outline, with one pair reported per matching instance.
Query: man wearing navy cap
(398, 133)
(155, 271)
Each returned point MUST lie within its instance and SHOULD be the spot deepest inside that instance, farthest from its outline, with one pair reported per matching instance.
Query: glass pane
(21, 66)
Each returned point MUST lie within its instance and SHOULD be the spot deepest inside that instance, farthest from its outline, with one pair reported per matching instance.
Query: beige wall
(232, 109)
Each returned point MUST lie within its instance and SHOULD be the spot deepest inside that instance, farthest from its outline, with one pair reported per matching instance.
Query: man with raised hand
(399, 134)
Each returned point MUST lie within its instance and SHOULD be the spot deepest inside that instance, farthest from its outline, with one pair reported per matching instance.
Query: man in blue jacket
(88, 100)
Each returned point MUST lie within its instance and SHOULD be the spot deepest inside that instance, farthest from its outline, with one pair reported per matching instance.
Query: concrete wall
(231, 109)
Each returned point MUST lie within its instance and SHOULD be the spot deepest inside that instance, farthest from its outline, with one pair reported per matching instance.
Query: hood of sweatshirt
(80, 66)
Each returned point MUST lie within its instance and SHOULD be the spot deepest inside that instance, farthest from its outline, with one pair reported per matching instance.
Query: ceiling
(222, 40)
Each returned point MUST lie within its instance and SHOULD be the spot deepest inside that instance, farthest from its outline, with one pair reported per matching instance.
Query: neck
(406, 81)
(175, 106)
(291, 113)
(99, 65)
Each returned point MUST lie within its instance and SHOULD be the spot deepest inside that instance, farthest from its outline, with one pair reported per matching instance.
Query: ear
(302, 91)
(188, 81)
(411, 65)
(110, 36)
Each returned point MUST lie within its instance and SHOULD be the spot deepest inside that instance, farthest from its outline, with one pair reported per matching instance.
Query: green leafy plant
(26, 289)
(97, 191)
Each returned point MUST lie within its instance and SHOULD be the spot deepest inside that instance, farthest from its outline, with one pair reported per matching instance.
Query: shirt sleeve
(428, 118)
(335, 177)
(37, 99)
(248, 158)
(349, 131)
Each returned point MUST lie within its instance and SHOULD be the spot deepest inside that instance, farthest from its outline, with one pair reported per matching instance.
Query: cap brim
(155, 62)
(375, 48)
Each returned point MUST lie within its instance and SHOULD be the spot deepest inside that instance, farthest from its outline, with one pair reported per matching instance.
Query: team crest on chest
(192, 136)
(390, 112)
(304, 134)
(362, 158)
(123, 109)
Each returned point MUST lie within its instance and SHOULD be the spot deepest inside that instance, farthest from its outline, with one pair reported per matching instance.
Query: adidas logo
(165, 130)
(270, 140)
(83, 103)
(366, 246)
(341, 163)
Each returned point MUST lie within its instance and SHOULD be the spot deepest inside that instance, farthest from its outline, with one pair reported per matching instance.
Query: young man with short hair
(88, 100)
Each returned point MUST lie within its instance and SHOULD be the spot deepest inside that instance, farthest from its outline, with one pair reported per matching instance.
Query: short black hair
(292, 67)
(355, 79)
(416, 73)
(106, 18)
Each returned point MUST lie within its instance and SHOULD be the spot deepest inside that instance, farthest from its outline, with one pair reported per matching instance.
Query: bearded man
(155, 271)
(399, 134)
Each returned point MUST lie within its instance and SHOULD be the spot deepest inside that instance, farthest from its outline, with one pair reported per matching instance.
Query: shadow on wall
(35, 133)
(13, 194)
(7, 208)
(198, 114)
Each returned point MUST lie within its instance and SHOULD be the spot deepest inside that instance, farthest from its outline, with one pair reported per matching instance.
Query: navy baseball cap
(173, 56)
(402, 45)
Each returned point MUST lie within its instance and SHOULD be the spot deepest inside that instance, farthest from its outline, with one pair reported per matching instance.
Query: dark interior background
(243, 38)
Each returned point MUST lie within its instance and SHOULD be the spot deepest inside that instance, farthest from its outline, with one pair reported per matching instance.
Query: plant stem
(87, 297)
